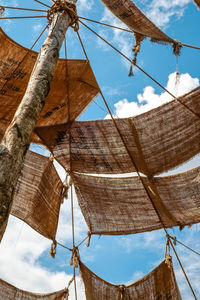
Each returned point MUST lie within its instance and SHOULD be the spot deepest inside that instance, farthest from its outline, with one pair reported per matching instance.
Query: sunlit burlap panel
(81, 81)
(121, 205)
(129, 14)
(10, 292)
(158, 284)
(37, 197)
(197, 3)
(158, 140)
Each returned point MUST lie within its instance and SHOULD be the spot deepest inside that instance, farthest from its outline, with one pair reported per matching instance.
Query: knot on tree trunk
(64, 5)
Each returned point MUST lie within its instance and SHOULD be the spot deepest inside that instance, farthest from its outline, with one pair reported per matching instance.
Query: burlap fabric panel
(15, 72)
(158, 140)
(37, 196)
(158, 284)
(130, 14)
(121, 206)
(10, 292)
(197, 3)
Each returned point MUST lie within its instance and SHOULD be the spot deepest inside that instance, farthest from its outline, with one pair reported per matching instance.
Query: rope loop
(67, 6)
(2, 10)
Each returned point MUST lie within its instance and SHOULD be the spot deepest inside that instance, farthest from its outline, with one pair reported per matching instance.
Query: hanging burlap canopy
(16, 64)
(10, 292)
(142, 27)
(38, 195)
(121, 205)
(158, 284)
(159, 140)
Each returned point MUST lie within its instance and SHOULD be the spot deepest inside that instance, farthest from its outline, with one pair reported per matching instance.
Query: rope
(75, 255)
(108, 25)
(188, 281)
(67, 289)
(42, 3)
(177, 241)
(190, 46)
(60, 6)
(20, 8)
(65, 247)
(82, 241)
(168, 258)
(52, 250)
(30, 17)
(132, 62)
(148, 193)
(83, 48)
(2, 10)
(130, 31)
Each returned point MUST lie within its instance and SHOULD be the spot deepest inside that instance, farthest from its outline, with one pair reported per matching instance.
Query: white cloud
(160, 12)
(20, 250)
(149, 99)
(123, 41)
(84, 6)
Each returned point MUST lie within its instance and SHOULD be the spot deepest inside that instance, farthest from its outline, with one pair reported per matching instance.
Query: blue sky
(24, 258)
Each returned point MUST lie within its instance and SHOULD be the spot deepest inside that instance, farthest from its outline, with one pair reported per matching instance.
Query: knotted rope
(122, 291)
(66, 295)
(52, 250)
(168, 258)
(89, 239)
(67, 6)
(136, 49)
(74, 258)
(66, 186)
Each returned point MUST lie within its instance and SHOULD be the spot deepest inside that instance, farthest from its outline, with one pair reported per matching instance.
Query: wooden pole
(16, 140)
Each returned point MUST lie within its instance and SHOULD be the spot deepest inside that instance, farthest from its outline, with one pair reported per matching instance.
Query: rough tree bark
(16, 140)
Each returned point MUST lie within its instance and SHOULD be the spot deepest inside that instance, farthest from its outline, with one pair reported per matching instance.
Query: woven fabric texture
(10, 292)
(37, 196)
(158, 284)
(14, 77)
(197, 3)
(130, 14)
(158, 140)
(121, 205)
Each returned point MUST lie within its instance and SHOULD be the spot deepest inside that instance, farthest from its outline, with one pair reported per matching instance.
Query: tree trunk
(16, 140)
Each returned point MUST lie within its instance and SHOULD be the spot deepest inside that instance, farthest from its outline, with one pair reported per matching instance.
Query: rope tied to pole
(67, 6)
